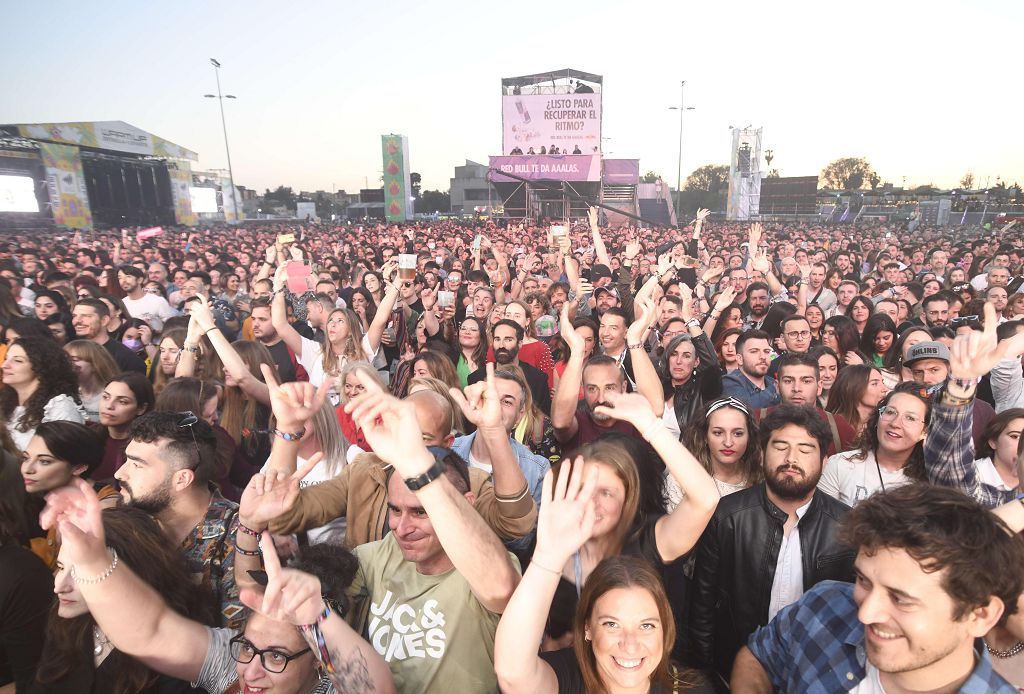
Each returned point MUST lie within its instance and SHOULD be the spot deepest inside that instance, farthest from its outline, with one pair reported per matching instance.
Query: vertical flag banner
(181, 181)
(65, 182)
(397, 206)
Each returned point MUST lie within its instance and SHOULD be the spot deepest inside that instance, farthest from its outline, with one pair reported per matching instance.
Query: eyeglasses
(794, 334)
(189, 419)
(889, 414)
(272, 659)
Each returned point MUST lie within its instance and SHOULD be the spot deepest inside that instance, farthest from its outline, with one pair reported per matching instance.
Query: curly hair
(52, 369)
(946, 531)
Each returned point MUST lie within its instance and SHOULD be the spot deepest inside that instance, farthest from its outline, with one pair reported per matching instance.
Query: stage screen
(204, 200)
(566, 121)
(18, 194)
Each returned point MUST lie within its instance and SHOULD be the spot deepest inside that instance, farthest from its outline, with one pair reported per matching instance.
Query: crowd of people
(517, 457)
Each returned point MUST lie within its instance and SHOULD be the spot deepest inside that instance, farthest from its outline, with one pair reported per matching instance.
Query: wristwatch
(421, 481)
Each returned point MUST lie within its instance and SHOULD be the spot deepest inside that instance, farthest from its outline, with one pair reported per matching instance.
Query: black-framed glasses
(189, 419)
(273, 660)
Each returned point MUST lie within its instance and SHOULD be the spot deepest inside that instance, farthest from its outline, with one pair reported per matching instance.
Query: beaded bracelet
(248, 553)
(249, 531)
(100, 578)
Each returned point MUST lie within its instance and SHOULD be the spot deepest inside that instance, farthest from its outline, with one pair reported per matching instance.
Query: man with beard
(167, 470)
(757, 305)
(508, 335)
(934, 573)
(767, 544)
(751, 383)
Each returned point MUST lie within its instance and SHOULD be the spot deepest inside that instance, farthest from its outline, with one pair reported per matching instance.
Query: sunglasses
(189, 419)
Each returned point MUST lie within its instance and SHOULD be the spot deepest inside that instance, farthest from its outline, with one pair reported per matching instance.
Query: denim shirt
(534, 467)
(816, 645)
(735, 384)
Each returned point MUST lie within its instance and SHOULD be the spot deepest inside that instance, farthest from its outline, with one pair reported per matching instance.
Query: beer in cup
(406, 266)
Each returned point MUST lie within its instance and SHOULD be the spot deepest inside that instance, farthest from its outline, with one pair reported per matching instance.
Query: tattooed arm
(356, 666)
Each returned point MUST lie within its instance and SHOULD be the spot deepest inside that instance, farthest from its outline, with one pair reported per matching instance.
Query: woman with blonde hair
(344, 339)
(93, 367)
(349, 386)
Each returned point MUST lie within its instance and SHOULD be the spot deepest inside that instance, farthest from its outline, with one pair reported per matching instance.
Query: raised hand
(296, 253)
(294, 404)
(632, 249)
(973, 355)
(480, 402)
(584, 287)
(756, 232)
(566, 518)
(759, 261)
(712, 274)
(280, 277)
(76, 513)
(269, 495)
(572, 340)
(628, 407)
(645, 314)
(200, 314)
(592, 218)
(391, 428)
(428, 297)
(389, 269)
(271, 254)
(291, 596)
(686, 296)
(702, 214)
(665, 264)
(725, 299)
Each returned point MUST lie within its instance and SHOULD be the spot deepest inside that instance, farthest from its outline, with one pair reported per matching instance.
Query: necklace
(100, 640)
(1008, 653)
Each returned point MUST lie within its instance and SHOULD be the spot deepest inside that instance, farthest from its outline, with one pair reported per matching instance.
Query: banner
(572, 167)
(65, 181)
(622, 172)
(394, 149)
(117, 136)
(181, 181)
(144, 234)
(565, 121)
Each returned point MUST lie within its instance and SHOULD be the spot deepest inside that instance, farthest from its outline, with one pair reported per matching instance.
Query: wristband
(290, 436)
(210, 329)
(637, 345)
(248, 553)
(965, 383)
(248, 531)
(194, 349)
(544, 568)
(315, 637)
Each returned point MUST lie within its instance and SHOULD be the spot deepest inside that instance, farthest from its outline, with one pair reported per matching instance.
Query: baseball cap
(545, 327)
(927, 350)
(598, 271)
(610, 290)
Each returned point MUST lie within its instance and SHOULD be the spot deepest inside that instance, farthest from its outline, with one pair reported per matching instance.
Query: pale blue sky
(926, 90)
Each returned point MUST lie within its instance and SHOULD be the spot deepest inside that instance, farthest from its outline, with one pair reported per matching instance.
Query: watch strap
(421, 481)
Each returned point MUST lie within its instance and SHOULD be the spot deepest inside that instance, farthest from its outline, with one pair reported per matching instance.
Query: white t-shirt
(312, 358)
(151, 308)
(60, 408)
(334, 531)
(852, 480)
(987, 474)
(872, 682)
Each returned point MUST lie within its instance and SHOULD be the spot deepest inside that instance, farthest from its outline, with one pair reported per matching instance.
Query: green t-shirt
(432, 631)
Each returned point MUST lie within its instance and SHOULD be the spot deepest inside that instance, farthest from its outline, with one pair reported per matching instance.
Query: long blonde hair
(353, 349)
(177, 335)
(240, 413)
(534, 433)
(333, 444)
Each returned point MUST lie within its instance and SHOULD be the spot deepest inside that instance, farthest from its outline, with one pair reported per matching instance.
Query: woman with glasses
(891, 452)
(93, 367)
(156, 622)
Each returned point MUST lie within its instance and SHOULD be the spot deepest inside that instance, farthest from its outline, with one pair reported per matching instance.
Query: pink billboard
(570, 167)
(568, 122)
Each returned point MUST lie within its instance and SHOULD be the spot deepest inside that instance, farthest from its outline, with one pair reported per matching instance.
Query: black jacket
(736, 559)
(703, 386)
(535, 378)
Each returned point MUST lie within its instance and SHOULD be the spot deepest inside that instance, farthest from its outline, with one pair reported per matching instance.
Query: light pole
(224, 125)
(682, 108)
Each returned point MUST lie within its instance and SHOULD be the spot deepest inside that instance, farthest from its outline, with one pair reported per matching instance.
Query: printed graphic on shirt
(399, 631)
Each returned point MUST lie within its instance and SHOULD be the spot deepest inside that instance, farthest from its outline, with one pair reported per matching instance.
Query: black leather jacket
(702, 387)
(735, 567)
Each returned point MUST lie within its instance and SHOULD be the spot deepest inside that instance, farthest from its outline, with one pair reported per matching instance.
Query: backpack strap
(835, 432)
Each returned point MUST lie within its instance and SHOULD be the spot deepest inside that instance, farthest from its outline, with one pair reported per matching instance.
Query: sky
(926, 91)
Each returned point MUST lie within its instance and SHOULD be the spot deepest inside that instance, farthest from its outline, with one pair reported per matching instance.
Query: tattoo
(351, 674)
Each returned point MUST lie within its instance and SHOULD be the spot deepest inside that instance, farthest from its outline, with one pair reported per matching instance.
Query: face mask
(133, 345)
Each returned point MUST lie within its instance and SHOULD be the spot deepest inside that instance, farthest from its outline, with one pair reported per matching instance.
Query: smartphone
(445, 298)
(282, 239)
(687, 261)
(476, 242)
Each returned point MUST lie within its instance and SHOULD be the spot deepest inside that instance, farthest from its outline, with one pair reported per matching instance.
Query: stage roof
(112, 135)
(528, 80)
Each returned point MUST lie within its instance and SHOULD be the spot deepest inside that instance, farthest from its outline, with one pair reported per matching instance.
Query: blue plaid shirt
(816, 645)
(949, 454)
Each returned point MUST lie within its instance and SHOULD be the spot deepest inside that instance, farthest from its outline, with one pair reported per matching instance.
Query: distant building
(471, 191)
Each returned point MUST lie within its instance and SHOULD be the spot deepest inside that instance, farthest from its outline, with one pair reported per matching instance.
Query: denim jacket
(534, 467)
